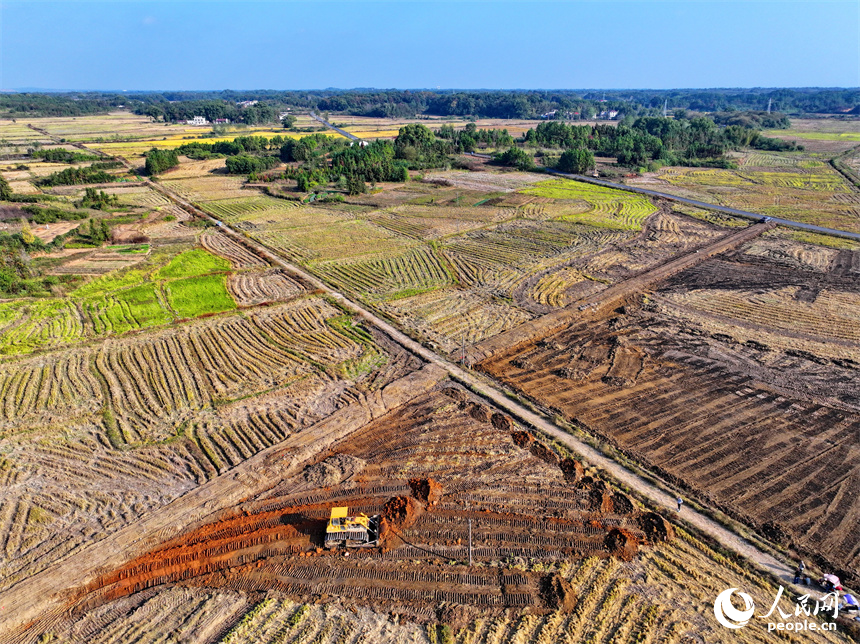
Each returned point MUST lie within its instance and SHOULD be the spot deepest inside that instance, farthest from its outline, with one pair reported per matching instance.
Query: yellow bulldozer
(359, 531)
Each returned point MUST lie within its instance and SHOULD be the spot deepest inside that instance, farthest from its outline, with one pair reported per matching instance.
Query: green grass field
(190, 284)
(192, 263)
(132, 308)
(195, 296)
(815, 136)
(607, 208)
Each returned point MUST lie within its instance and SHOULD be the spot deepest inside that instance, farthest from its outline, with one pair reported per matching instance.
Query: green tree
(414, 142)
(517, 158)
(355, 185)
(5, 190)
(576, 161)
(157, 161)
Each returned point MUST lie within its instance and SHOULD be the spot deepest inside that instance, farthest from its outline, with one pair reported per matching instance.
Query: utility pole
(470, 542)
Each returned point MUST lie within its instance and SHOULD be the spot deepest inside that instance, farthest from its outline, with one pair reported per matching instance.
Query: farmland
(756, 347)
(179, 411)
(504, 246)
(652, 582)
(190, 285)
(95, 436)
(797, 186)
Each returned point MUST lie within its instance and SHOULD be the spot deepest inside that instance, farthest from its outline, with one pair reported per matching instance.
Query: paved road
(709, 206)
(700, 204)
(336, 129)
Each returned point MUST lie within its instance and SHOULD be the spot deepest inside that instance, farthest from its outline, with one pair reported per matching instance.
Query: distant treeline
(646, 141)
(584, 104)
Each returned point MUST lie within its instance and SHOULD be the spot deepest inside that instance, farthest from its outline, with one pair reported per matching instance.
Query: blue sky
(310, 45)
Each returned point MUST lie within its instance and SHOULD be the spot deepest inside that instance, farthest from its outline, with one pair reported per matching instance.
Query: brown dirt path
(598, 305)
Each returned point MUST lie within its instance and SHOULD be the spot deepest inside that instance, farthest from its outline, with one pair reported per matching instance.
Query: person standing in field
(680, 503)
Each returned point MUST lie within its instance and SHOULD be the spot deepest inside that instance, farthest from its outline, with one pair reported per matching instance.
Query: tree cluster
(247, 164)
(310, 148)
(96, 234)
(576, 161)
(468, 139)
(45, 215)
(76, 176)
(211, 110)
(60, 155)
(157, 161)
(678, 141)
(371, 163)
(97, 199)
(565, 104)
(516, 158)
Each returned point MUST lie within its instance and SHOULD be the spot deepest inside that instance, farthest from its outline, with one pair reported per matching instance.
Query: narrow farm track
(612, 296)
(490, 391)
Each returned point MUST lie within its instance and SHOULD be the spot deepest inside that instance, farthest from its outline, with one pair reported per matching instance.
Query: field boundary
(612, 296)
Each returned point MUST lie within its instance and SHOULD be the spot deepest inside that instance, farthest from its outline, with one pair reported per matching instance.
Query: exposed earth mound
(622, 544)
(333, 470)
(556, 593)
(656, 528)
(573, 470)
(427, 491)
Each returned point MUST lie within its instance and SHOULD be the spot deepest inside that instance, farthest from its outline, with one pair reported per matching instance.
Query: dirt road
(709, 206)
(46, 593)
(598, 305)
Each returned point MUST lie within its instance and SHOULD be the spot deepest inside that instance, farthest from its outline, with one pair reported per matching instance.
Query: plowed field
(738, 378)
(559, 555)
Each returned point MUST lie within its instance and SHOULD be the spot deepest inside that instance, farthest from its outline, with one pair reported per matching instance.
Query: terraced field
(191, 284)
(95, 437)
(512, 244)
(449, 317)
(239, 208)
(256, 287)
(602, 207)
(168, 463)
(226, 247)
(391, 276)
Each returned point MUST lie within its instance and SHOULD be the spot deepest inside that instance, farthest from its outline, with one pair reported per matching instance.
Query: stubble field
(175, 428)
(736, 377)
